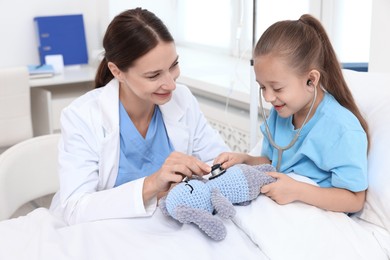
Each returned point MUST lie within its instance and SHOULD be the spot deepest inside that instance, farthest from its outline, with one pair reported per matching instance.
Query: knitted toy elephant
(198, 200)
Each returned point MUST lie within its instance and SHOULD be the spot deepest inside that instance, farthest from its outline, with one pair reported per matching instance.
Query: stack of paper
(40, 71)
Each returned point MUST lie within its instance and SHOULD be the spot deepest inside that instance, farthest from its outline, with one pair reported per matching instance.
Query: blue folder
(63, 34)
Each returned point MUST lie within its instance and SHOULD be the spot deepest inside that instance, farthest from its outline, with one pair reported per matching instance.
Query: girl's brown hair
(306, 46)
(130, 35)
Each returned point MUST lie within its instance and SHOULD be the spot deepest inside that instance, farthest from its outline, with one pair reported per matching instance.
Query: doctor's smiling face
(152, 78)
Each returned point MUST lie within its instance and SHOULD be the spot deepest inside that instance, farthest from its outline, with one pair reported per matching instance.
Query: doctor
(126, 142)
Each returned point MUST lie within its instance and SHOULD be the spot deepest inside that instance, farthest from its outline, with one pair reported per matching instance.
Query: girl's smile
(279, 107)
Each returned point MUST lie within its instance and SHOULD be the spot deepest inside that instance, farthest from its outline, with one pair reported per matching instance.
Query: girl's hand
(229, 159)
(283, 190)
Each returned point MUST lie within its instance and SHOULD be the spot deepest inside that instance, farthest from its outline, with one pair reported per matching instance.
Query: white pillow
(372, 94)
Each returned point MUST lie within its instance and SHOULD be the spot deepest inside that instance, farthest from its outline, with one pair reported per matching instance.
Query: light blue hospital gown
(331, 149)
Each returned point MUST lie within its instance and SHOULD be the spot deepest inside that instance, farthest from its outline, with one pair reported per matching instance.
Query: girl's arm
(333, 199)
(228, 159)
(286, 190)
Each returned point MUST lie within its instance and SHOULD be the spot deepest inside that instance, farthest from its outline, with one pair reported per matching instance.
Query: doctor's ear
(116, 72)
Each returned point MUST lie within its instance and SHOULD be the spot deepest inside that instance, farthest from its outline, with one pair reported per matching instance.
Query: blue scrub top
(331, 149)
(140, 157)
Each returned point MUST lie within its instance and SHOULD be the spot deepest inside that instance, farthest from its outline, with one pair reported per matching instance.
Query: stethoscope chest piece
(216, 171)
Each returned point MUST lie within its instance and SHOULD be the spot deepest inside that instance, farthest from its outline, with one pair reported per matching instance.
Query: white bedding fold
(261, 230)
(300, 231)
(40, 236)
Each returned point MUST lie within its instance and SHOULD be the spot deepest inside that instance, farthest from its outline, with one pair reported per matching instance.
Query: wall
(163, 9)
(380, 37)
(18, 45)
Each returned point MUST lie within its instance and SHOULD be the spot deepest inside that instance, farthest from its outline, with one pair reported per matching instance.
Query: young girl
(299, 74)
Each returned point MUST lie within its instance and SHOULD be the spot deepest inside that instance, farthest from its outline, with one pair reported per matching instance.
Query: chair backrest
(28, 170)
(15, 108)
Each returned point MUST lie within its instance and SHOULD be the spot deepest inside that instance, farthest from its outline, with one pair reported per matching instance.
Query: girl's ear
(314, 79)
(115, 71)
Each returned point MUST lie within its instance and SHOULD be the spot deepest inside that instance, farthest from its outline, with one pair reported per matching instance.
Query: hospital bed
(261, 230)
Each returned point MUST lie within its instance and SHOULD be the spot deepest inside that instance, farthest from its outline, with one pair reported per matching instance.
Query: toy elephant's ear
(222, 205)
(211, 225)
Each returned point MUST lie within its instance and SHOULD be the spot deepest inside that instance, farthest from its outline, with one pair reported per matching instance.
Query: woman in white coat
(126, 142)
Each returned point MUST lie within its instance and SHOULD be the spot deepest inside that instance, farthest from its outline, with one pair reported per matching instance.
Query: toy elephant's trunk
(210, 224)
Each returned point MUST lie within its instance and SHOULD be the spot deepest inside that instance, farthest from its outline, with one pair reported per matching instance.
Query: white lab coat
(89, 153)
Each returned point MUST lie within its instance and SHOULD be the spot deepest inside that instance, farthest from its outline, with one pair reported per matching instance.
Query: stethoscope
(294, 140)
(216, 171)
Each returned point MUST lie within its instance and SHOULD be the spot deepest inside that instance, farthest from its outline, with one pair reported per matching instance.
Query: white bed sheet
(299, 231)
(261, 230)
(41, 236)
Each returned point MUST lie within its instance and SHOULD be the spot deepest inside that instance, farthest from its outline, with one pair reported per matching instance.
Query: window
(348, 23)
(229, 27)
(204, 23)
(269, 12)
(226, 26)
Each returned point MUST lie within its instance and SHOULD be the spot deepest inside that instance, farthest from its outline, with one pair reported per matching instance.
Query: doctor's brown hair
(305, 45)
(129, 36)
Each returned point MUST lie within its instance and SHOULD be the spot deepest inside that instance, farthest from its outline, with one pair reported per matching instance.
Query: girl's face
(282, 87)
(152, 78)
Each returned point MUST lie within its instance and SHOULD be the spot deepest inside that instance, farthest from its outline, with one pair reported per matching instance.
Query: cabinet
(50, 95)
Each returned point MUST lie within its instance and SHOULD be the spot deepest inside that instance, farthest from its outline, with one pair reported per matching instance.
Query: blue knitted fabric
(232, 184)
(240, 183)
(194, 194)
(195, 201)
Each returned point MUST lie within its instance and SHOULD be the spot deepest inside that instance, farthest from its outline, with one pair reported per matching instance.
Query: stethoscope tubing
(294, 140)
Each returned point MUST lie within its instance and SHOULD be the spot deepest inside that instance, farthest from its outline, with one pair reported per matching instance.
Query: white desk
(50, 95)
(71, 75)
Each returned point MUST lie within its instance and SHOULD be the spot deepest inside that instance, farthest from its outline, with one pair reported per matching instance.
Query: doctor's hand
(284, 190)
(175, 168)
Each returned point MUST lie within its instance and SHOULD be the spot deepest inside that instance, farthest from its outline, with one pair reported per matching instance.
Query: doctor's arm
(86, 171)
